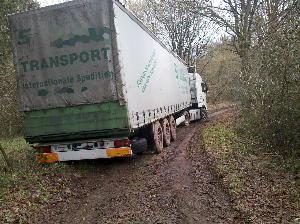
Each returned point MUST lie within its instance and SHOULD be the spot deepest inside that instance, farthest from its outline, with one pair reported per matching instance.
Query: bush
(270, 90)
(221, 68)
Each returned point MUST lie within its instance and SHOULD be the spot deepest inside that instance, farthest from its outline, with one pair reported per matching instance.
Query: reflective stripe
(47, 157)
(119, 152)
(84, 154)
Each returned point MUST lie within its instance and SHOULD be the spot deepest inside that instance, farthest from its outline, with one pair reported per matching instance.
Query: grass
(28, 185)
(14, 149)
(264, 185)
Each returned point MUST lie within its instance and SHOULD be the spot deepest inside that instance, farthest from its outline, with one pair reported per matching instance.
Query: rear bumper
(84, 154)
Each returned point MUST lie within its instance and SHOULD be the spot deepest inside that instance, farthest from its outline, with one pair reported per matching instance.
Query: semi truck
(94, 82)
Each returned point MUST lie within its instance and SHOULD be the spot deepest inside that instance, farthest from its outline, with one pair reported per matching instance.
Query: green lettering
(100, 75)
(35, 85)
(107, 74)
(64, 81)
(94, 36)
(25, 86)
(59, 43)
(24, 36)
(84, 57)
(72, 41)
(73, 57)
(105, 50)
(82, 79)
(92, 76)
(64, 60)
(24, 64)
(34, 65)
(44, 64)
(54, 61)
(95, 54)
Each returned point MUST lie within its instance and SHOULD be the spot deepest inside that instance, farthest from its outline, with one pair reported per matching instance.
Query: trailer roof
(50, 7)
(121, 6)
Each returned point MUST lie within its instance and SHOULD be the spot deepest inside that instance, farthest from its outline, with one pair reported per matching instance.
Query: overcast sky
(49, 2)
(216, 33)
(52, 2)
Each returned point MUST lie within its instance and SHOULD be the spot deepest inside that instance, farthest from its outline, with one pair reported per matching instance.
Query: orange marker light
(47, 158)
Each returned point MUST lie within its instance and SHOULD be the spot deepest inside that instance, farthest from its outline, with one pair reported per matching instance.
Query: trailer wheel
(166, 132)
(173, 127)
(187, 118)
(203, 113)
(157, 137)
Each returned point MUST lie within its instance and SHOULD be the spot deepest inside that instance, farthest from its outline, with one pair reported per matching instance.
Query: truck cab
(198, 88)
(198, 91)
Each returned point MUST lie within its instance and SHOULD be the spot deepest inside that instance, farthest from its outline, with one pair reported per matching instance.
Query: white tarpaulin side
(63, 54)
(156, 82)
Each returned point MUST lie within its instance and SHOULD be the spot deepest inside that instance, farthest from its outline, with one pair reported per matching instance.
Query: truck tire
(203, 113)
(173, 127)
(157, 133)
(139, 145)
(187, 118)
(166, 132)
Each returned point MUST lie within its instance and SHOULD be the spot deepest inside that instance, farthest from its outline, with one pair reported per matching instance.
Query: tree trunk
(9, 165)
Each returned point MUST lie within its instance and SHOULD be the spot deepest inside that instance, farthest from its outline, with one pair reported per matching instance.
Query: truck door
(204, 90)
(201, 88)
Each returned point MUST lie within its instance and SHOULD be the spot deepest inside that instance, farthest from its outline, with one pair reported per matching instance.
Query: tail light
(122, 143)
(43, 149)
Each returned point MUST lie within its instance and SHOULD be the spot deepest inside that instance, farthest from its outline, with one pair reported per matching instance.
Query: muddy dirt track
(177, 186)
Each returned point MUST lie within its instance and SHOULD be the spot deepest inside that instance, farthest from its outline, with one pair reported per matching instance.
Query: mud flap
(139, 145)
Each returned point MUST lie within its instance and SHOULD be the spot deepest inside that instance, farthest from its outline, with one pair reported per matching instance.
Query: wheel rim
(166, 132)
(168, 129)
(187, 119)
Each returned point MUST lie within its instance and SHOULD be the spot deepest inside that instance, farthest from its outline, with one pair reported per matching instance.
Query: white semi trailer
(94, 82)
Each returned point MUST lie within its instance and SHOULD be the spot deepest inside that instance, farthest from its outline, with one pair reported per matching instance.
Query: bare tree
(265, 35)
(178, 23)
(145, 12)
(237, 16)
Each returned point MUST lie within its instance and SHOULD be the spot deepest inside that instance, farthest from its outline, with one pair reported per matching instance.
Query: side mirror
(192, 69)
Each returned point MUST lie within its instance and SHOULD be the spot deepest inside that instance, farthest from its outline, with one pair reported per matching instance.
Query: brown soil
(179, 185)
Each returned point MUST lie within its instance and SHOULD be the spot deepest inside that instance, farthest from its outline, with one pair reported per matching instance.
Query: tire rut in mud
(176, 186)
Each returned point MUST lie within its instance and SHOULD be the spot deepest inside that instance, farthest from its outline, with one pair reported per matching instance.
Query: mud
(179, 185)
